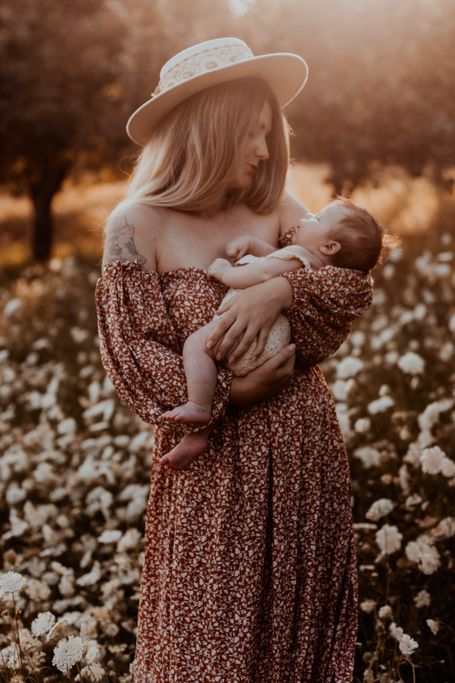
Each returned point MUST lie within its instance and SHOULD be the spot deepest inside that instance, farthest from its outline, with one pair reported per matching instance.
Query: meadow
(74, 463)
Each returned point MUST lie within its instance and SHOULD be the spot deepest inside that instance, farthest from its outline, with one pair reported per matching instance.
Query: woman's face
(255, 149)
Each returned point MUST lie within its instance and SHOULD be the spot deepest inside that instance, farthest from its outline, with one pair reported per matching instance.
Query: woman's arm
(139, 346)
(320, 305)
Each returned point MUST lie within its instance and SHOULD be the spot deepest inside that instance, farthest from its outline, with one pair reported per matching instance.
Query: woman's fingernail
(209, 344)
(291, 348)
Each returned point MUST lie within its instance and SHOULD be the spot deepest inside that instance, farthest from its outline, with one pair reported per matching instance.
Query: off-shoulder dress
(249, 569)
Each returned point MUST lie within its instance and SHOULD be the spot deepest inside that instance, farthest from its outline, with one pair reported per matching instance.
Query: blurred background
(377, 112)
(376, 122)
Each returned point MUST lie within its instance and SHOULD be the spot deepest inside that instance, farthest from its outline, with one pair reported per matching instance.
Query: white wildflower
(413, 454)
(422, 599)
(67, 426)
(369, 456)
(445, 528)
(341, 388)
(349, 367)
(380, 405)
(380, 508)
(93, 652)
(424, 554)
(42, 623)
(93, 672)
(448, 467)
(388, 539)
(414, 499)
(91, 577)
(385, 612)
(406, 644)
(368, 605)
(411, 363)
(431, 460)
(433, 626)
(358, 338)
(67, 653)
(430, 416)
(12, 306)
(129, 540)
(362, 425)
(11, 582)
(110, 536)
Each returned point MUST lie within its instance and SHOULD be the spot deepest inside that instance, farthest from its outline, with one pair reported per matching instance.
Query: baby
(341, 234)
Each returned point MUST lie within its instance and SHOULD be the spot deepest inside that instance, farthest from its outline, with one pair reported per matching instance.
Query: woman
(249, 567)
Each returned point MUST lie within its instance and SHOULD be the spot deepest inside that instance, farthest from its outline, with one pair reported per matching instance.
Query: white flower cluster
(406, 644)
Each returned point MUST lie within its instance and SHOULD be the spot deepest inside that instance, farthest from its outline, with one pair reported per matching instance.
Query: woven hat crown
(201, 58)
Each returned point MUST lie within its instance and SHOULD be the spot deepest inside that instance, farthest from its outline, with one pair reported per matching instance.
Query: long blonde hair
(194, 151)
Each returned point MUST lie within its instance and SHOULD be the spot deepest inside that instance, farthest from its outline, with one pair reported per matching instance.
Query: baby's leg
(192, 445)
(201, 375)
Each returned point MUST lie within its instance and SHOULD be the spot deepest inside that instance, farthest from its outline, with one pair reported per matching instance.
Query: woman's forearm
(278, 290)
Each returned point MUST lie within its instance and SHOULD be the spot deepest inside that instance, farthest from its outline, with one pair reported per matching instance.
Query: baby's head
(343, 234)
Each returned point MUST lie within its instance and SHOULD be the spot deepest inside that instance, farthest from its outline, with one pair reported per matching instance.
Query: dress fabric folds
(250, 572)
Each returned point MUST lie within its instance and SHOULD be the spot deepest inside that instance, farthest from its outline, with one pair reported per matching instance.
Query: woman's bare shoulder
(132, 232)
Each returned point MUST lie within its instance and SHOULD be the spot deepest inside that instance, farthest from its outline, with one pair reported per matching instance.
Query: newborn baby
(341, 234)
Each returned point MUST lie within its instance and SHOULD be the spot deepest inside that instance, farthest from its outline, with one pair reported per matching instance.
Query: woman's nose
(262, 150)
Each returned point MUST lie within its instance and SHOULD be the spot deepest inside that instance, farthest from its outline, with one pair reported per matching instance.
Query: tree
(75, 72)
(60, 97)
(380, 89)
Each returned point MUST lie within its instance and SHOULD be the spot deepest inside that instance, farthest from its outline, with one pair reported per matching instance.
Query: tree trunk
(42, 193)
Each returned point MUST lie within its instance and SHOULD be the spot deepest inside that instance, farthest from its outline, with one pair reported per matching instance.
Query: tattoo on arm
(121, 246)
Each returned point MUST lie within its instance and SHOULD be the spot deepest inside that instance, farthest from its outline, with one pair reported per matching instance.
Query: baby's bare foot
(186, 451)
(188, 413)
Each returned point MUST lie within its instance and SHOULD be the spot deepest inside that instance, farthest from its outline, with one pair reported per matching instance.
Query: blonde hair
(195, 150)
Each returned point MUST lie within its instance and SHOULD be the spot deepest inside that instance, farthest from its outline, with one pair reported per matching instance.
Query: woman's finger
(261, 342)
(243, 345)
(225, 307)
(230, 340)
(219, 328)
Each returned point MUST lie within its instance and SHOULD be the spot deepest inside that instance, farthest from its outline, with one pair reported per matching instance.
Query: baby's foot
(188, 413)
(186, 451)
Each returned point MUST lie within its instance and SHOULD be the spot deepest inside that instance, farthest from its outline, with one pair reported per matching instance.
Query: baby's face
(315, 228)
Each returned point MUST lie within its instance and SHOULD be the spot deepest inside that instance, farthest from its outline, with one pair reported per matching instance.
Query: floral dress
(249, 569)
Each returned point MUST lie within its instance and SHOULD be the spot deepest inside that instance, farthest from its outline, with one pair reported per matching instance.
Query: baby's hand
(218, 268)
(238, 247)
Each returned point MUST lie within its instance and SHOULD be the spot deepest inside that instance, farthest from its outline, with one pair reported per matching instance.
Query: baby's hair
(363, 240)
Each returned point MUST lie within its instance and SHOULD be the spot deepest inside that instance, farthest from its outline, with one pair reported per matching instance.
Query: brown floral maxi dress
(250, 569)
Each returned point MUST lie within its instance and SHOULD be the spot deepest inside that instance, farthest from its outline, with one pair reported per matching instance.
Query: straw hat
(210, 63)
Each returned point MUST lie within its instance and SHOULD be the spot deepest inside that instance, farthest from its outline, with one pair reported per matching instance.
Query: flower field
(74, 470)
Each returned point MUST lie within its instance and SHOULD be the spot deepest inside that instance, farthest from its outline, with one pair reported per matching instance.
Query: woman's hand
(250, 314)
(266, 380)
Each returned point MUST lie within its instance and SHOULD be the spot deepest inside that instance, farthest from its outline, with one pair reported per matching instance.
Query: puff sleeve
(325, 303)
(139, 346)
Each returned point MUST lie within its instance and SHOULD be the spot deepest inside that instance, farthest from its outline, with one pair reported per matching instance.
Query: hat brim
(286, 74)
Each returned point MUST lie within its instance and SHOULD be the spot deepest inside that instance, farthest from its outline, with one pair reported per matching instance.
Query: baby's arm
(245, 244)
(240, 277)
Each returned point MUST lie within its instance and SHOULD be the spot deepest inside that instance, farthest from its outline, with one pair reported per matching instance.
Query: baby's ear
(330, 248)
